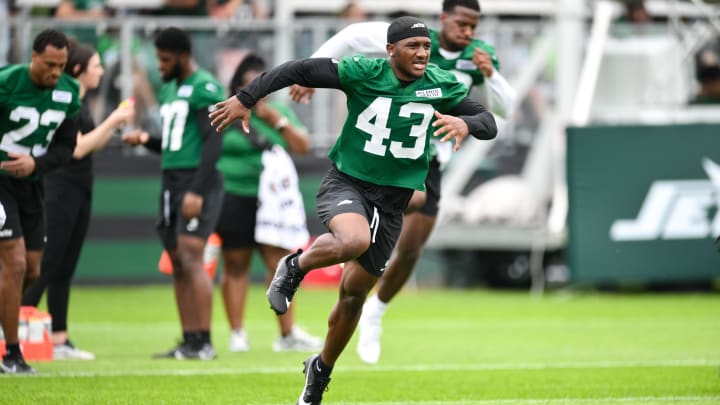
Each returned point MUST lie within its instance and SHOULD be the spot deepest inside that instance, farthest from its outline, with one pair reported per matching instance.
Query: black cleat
(284, 284)
(315, 384)
(15, 364)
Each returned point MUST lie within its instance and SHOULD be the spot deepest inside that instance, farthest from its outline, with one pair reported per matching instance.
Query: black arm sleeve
(312, 72)
(61, 147)
(154, 144)
(211, 148)
(480, 121)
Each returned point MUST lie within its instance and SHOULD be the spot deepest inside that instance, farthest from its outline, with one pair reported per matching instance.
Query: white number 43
(379, 132)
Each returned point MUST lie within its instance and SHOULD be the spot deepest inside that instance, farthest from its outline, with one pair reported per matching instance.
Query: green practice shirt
(241, 161)
(385, 138)
(182, 139)
(30, 115)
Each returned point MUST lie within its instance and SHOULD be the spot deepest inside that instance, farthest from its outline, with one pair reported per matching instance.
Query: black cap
(707, 63)
(406, 27)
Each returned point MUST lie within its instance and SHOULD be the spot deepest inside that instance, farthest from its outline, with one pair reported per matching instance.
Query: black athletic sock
(12, 350)
(293, 262)
(322, 368)
(204, 336)
(188, 337)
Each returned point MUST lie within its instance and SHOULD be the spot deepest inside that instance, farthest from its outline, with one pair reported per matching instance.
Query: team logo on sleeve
(429, 93)
(464, 64)
(211, 87)
(61, 96)
(185, 90)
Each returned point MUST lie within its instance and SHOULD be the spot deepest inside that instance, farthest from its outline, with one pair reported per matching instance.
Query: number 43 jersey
(182, 137)
(389, 125)
(30, 115)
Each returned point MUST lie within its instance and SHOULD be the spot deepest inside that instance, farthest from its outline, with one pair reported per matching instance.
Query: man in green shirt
(38, 107)
(192, 189)
(474, 62)
(395, 106)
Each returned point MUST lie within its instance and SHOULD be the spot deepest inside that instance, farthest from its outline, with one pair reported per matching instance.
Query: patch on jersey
(211, 87)
(61, 96)
(3, 215)
(464, 64)
(192, 224)
(185, 90)
(429, 93)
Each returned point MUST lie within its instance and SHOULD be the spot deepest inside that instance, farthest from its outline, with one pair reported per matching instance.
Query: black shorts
(432, 189)
(382, 206)
(21, 212)
(171, 223)
(236, 226)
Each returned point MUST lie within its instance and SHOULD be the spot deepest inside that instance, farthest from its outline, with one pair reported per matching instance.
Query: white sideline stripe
(610, 400)
(419, 367)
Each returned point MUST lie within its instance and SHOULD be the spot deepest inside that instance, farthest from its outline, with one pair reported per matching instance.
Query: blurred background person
(39, 105)
(4, 33)
(192, 188)
(261, 211)
(90, 10)
(707, 74)
(636, 12)
(68, 201)
(241, 9)
(353, 11)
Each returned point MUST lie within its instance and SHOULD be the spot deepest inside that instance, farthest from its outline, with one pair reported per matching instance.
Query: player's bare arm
(484, 63)
(301, 94)
(450, 127)
(228, 111)
(19, 165)
(476, 121)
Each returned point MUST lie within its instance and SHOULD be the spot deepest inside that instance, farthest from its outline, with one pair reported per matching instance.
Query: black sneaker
(186, 351)
(315, 384)
(179, 352)
(283, 286)
(206, 352)
(15, 364)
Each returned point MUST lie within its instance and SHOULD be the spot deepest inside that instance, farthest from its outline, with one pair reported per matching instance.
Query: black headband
(406, 27)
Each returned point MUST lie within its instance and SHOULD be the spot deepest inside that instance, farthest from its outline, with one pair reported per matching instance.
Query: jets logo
(675, 209)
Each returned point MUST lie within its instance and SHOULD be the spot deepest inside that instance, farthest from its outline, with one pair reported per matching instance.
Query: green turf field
(440, 347)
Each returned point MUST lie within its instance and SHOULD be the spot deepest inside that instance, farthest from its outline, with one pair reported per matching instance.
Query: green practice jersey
(241, 161)
(462, 66)
(179, 104)
(386, 135)
(30, 115)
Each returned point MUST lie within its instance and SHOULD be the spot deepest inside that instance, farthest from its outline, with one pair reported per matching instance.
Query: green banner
(643, 203)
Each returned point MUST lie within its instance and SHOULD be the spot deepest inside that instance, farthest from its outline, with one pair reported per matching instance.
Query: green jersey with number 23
(182, 139)
(30, 115)
(386, 135)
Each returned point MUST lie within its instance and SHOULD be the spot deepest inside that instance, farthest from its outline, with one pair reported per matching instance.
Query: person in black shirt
(707, 74)
(68, 198)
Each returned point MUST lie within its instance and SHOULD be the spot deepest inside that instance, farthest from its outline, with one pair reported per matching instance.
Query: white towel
(281, 213)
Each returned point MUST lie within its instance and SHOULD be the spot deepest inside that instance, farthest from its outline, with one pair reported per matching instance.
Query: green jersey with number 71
(385, 139)
(179, 105)
(30, 115)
